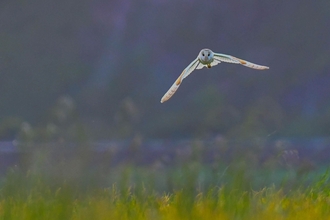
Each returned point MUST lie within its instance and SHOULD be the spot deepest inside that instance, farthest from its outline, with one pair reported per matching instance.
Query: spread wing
(231, 59)
(191, 67)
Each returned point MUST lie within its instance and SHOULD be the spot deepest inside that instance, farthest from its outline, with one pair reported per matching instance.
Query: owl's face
(206, 56)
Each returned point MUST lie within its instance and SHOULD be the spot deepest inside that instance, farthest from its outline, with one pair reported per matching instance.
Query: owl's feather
(191, 67)
(231, 59)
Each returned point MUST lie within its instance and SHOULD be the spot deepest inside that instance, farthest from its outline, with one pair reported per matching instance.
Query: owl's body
(208, 58)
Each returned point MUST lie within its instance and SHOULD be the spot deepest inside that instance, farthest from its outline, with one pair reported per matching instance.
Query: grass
(217, 203)
(46, 186)
(32, 196)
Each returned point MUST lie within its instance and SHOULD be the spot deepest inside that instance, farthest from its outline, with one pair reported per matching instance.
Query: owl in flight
(207, 58)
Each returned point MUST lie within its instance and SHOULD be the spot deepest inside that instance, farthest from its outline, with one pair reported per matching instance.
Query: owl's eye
(202, 54)
(208, 54)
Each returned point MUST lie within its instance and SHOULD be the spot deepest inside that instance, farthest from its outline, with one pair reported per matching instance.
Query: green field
(188, 191)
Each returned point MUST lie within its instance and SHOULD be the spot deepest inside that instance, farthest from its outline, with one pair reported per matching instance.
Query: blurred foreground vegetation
(68, 183)
(31, 196)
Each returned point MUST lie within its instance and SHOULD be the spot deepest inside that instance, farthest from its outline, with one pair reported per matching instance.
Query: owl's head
(206, 56)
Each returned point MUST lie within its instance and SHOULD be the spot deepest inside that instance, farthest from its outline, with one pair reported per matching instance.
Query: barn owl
(208, 58)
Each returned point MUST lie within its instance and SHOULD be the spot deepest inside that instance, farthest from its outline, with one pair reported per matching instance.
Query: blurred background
(102, 67)
(93, 73)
